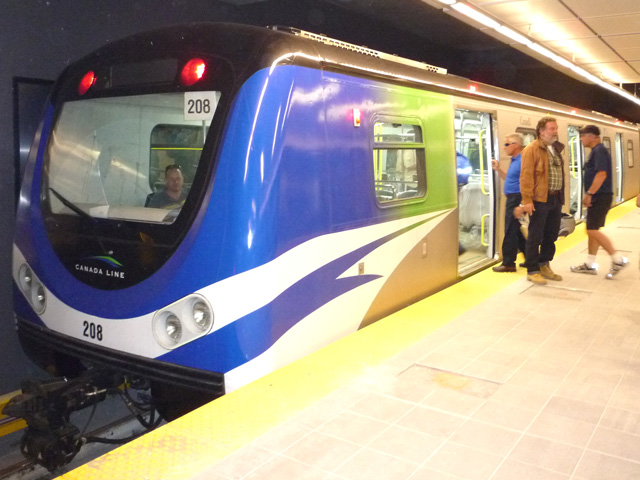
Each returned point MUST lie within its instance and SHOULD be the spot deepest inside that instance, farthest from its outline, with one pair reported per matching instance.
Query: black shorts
(597, 212)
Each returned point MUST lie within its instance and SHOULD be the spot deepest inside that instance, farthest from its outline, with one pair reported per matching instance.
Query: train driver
(173, 195)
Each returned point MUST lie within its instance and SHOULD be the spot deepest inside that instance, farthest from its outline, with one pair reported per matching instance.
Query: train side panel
(373, 258)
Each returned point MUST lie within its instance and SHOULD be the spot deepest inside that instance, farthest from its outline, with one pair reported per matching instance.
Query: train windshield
(127, 158)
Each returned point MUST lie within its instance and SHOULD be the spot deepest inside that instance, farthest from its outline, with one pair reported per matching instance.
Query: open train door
(576, 160)
(476, 189)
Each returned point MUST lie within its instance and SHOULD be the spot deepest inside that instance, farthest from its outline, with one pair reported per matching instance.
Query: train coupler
(50, 439)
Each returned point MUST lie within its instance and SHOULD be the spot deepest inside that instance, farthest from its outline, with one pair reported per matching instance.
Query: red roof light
(86, 83)
(193, 71)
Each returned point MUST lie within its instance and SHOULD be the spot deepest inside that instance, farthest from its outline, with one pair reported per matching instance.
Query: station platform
(493, 378)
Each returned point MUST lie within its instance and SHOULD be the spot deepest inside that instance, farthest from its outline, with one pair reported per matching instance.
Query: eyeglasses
(507, 144)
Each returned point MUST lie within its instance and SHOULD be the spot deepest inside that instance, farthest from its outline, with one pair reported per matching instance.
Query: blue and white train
(321, 194)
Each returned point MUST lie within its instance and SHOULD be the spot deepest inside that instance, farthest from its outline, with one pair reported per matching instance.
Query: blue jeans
(544, 226)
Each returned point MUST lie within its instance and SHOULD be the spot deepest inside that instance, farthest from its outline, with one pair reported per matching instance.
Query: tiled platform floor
(536, 382)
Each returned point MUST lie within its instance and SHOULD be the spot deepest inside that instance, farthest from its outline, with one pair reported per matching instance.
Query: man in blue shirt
(598, 183)
(513, 238)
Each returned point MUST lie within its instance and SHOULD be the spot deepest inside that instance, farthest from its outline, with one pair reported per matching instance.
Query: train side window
(528, 135)
(398, 161)
(630, 158)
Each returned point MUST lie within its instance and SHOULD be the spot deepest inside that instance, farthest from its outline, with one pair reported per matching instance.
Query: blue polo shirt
(512, 181)
(599, 161)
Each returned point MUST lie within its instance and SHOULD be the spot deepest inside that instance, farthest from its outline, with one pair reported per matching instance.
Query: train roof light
(192, 72)
(87, 81)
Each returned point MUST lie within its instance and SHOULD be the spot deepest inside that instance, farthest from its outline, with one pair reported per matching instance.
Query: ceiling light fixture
(513, 35)
(475, 15)
(487, 21)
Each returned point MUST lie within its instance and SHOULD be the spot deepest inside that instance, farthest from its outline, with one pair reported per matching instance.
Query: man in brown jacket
(542, 188)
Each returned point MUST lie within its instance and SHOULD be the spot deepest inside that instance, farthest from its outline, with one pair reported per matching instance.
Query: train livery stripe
(273, 298)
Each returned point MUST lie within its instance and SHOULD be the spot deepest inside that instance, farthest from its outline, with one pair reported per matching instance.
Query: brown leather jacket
(534, 171)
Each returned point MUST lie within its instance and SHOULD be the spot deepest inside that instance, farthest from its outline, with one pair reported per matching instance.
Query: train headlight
(38, 297)
(32, 289)
(183, 321)
(202, 315)
(173, 328)
(25, 278)
(167, 329)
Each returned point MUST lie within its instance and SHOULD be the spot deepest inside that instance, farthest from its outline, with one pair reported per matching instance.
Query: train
(321, 189)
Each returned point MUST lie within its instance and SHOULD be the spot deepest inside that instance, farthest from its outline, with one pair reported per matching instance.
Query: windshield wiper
(71, 205)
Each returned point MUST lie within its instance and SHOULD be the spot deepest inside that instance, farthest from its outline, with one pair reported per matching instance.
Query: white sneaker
(584, 268)
(616, 267)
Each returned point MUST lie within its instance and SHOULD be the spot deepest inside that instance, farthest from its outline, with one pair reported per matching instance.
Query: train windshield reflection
(108, 156)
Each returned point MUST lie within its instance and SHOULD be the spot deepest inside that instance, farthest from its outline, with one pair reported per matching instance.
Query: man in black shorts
(598, 184)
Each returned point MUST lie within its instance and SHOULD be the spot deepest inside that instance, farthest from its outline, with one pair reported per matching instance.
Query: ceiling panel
(618, 72)
(630, 54)
(595, 8)
(621, 42)
(582, 49)
(558, 30)
(595, 56)
(615, 24)
(526, 11)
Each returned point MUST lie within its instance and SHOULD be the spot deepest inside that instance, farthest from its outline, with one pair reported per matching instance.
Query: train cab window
(630, 158)
(108, 155)
(398, 161)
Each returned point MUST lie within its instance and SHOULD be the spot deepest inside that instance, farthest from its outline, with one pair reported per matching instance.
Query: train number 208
(199, 106)
(92, 330)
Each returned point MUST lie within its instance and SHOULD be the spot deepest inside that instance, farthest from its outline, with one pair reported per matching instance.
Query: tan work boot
(546, 272)
(536, 278)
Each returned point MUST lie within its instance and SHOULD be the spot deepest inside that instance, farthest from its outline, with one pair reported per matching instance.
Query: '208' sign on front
(200, 105)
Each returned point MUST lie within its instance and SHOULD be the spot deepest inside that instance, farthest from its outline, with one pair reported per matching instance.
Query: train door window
(630, 158)
(619, 159)
(576, 163)
(476, 191)
(617, 184)
(175, 145)
(528, 135)
(398, 161)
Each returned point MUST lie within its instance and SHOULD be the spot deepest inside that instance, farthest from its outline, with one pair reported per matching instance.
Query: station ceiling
(600, 36)
(603, 37)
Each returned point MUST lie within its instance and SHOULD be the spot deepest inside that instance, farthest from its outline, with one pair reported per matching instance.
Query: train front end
(110, 256)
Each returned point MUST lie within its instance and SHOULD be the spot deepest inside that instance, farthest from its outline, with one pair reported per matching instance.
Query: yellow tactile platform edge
(7, 425)
(187, 446)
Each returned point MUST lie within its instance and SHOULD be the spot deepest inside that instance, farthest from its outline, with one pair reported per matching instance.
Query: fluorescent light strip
(513, 35)
(523, 40)
(476, 15)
